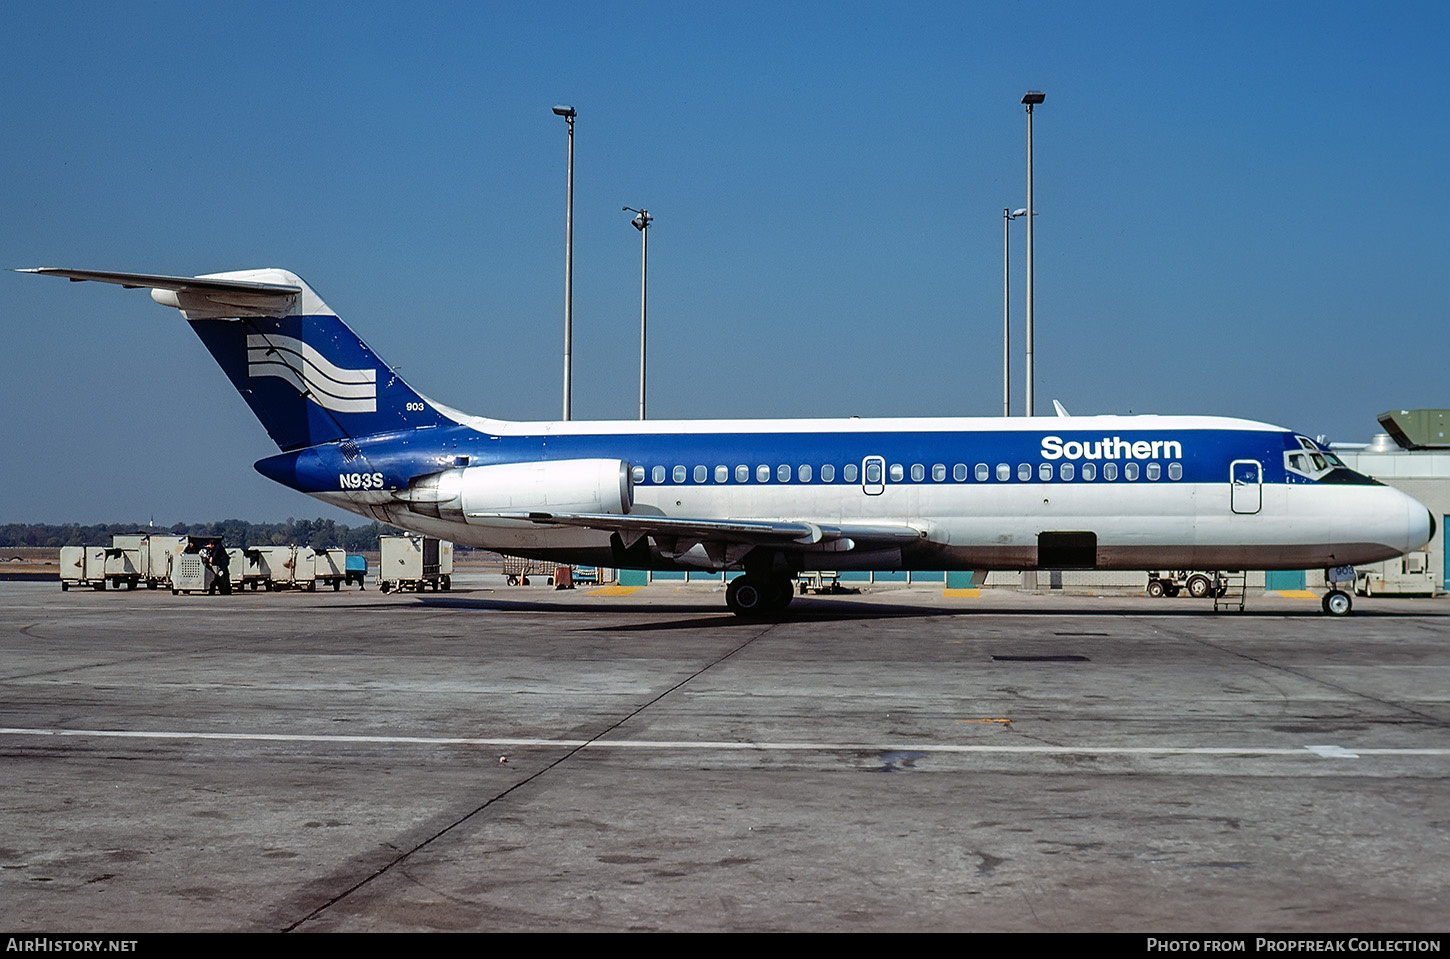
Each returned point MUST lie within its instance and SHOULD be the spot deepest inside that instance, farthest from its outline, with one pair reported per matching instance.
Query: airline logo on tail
(329, 386)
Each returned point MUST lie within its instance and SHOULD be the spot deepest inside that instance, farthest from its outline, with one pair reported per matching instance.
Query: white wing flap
(799, 535)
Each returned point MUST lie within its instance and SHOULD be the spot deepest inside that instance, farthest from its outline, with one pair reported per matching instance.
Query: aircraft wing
(728, 539)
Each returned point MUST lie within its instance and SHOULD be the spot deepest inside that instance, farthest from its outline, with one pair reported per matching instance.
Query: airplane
(774, 498)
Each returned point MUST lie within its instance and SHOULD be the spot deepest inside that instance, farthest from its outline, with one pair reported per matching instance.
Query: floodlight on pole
(568, 113)
(641, 223)
(1030, 99)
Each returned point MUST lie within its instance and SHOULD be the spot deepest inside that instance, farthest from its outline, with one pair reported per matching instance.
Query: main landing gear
(758, 597)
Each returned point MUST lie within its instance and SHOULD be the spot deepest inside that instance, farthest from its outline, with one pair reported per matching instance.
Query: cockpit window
(1322, 466)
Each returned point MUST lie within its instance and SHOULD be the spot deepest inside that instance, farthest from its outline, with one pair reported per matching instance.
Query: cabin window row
(1130, 471)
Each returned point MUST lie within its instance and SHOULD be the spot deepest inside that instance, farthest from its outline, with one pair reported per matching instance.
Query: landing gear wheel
(1337, 603)
(746, 597)
(782, 591)
(1199, 586)
(1155, 588)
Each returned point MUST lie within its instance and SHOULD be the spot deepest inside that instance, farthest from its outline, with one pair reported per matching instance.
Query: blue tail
(311, 380)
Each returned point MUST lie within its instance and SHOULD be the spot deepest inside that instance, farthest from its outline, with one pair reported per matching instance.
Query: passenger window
(1089, 472)
(959, 472)
(1130, 471)
(1175, 471)
(804, 473)
(658, 474)
(898, 473)
(873, 472)
(1044, 471)
(983, 473)
(1066, 471)
(849, 473)
(722, 474)
(701, 474)
(918, 472)
(782, 473)
(828, 473)
(1004, 472)
(1154, 471)
(679, 474)
(762, 474)
(1024, 471)
(1110, 471)
(742, 474)
(637, 474)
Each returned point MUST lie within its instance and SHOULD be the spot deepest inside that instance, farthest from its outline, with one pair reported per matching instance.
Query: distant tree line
(317, 533)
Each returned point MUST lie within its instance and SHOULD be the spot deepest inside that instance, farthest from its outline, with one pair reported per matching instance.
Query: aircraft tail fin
(307, 376)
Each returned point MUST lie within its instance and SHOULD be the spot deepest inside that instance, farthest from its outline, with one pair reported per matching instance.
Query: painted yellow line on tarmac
(1297, 594)
(615, 590)
(966, 592)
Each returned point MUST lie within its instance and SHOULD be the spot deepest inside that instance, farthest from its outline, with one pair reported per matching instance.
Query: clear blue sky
(1242, 210)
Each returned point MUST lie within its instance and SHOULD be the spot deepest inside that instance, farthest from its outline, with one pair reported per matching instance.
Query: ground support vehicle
(1407, 575)
(1197, 584)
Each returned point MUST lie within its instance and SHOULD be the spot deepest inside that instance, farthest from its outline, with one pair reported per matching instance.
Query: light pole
(1006, 329)
(1031, 98)
(568, 113)
(641, 223)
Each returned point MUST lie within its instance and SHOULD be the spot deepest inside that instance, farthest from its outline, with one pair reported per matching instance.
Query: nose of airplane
(1419, 524)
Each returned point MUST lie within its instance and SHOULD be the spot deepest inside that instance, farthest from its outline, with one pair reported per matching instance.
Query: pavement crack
(397, 861)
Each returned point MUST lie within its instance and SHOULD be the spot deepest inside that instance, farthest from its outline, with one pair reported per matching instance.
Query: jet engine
(562, 486)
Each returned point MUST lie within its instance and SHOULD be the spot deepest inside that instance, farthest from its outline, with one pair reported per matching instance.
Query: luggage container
(357, 570)
(313, 567)
(127, 560)
(190, 571)
(414, 562)
(270, 567)
(162, 550)
(82, 566)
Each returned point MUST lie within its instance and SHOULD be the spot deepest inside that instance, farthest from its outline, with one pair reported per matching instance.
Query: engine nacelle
(561, 486)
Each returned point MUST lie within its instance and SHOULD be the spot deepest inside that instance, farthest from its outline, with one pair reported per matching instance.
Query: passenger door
(873, 475)
(1246, 479)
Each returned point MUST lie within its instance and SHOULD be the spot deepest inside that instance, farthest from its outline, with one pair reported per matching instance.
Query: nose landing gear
(1337, 603)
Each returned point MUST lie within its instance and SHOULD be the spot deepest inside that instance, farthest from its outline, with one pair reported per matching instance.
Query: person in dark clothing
(220, 565)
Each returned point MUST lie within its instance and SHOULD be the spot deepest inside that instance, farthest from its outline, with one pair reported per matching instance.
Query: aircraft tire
(747, 598)
(1337, 603)
(782, 591)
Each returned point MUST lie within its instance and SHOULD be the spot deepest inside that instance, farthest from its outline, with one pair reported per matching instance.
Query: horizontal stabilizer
(247, 293)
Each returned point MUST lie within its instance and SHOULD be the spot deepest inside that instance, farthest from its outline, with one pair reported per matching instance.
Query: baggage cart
(414, 562)
(518, 569)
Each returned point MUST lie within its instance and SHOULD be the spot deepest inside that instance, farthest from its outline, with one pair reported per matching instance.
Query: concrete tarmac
(500, 758)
